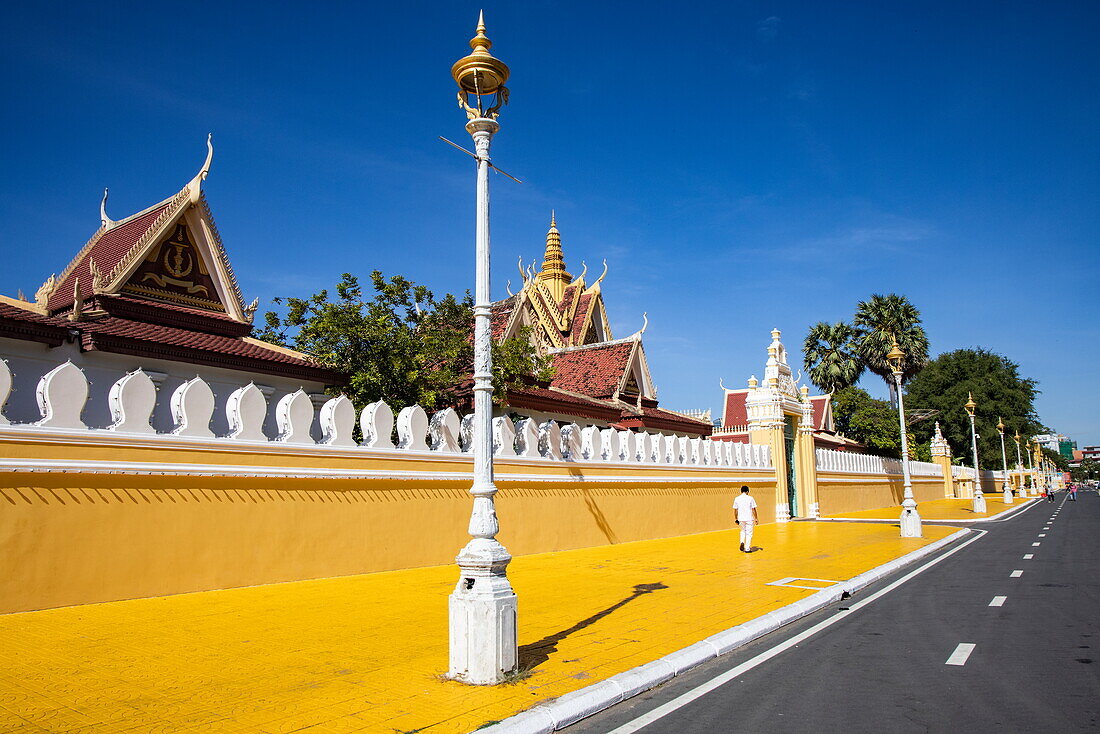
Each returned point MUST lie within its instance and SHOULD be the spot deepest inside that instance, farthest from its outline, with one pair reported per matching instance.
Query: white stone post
(1020, 467)
(1006, 492)
(978, 503)
(483, 640)
(910, 519)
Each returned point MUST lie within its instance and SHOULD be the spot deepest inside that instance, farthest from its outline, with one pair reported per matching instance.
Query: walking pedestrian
(1073, 493)
(744, 514)
(1049, 493)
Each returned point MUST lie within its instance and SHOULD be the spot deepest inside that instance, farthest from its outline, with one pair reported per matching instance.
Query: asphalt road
(883, 667)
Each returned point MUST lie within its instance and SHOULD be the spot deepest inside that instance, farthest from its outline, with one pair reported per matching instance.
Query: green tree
(999, 391)
(1088, 469)
(878, 322)
(402, 344)
(830, 358)
(872, 422)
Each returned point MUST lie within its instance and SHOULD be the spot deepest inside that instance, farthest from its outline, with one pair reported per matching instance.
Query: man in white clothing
(744, 513)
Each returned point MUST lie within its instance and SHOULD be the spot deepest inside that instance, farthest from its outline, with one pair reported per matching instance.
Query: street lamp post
(978, 504)
(1006, 492)
(1020, 466)
(483, 647)
(910, 519)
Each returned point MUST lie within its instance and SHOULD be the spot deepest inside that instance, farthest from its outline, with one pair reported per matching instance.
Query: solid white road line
(1016, 574)
(998, 601)
(684, 699)
(1028, 556)
(962, 652)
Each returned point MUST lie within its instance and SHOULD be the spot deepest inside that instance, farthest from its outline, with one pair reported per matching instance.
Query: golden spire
(553, 273)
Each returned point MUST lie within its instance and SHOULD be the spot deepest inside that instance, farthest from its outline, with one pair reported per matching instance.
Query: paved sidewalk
(946, 510)
(365, 653)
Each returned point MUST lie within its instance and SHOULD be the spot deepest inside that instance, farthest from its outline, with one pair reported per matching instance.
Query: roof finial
(104, 220)
(584, 270)
(603, 274)
(195, 186)
(522, 273)
(553, 219)
(78, 302)
(209, 156)
(645, 322)
(508, 288)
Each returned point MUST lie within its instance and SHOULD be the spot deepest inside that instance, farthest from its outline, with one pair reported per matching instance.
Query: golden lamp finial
(481, 74)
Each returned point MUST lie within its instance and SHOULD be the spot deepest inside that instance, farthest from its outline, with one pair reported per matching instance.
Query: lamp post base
(1006, 494)
(910, 520)
(978, 505)
(484, 647)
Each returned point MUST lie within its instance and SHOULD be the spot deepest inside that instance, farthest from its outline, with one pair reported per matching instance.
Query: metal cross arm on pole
(475, 157)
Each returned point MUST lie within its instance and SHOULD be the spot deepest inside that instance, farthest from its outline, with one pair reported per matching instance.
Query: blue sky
(740, 165)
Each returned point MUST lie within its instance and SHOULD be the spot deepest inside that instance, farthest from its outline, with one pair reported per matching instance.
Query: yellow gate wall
(91, 517)
(840, 493)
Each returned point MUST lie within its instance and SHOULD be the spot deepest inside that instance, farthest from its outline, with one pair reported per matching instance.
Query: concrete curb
(991, 518)
(559, 713)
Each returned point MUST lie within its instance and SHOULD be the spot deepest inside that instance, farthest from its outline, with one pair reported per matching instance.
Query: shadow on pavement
(536, 653)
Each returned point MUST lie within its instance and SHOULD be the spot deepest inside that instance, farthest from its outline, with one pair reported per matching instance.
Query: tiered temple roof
(156, 284)
(597, 377)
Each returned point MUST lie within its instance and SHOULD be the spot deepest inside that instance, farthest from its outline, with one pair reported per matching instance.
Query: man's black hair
(744, 488)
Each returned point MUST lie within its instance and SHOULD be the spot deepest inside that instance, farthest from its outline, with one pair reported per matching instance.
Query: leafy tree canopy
(874, 423)
(400, 344)
(1088, 469)
(999, 391)
(878, 322)
(830, 356)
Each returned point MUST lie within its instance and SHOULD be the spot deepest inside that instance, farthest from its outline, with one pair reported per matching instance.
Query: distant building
(1058, 443)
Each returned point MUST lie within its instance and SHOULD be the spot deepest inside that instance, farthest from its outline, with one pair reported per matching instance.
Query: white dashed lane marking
(962, 652)
(1028, 556)
(1033, 544)
(998, 601)
(1016, 574)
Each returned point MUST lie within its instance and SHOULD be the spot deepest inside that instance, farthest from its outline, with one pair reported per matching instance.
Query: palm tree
(829, 356)
(878, 322)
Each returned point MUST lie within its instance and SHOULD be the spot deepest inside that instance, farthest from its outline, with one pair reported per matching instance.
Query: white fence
(829, 460)
(62, 395)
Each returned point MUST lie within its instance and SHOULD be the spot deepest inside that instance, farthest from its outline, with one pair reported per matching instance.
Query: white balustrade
(132, 400)
(61, 394)
(192, 408)
(527, 438)
(376, 423)
(245, 410)
(504, 436)
(294, 417)
(412, 429)
(444, 429)
(337, 422)
(5, 389)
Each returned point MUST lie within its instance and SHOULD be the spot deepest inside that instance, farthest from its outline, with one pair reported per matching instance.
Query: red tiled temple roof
(735, 412)
(107, 249)
(21, 323)
(157, 341)
(596, 370)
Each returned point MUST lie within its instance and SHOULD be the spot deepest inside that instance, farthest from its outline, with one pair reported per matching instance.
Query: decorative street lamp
(483, 647)
(978, 505)
(1020, 466)
(1006, 493)
(910, 519)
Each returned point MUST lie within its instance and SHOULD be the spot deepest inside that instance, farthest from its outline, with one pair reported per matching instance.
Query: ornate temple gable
(174, 271)
(563, 311)
(139, 255)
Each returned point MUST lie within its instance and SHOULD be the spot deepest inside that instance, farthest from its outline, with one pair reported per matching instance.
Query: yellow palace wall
(839, 493)
(118, 518)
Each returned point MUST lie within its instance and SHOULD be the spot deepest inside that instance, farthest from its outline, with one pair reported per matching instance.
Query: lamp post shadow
(536, 653)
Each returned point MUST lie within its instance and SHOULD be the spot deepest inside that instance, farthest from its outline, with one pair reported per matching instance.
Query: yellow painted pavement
(945, 509)
(365, 653)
